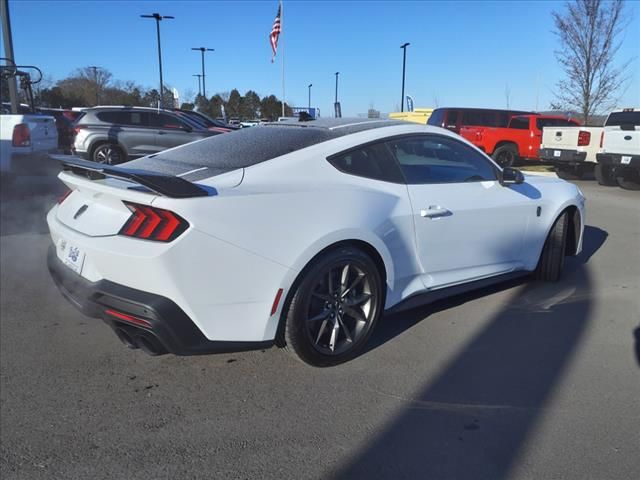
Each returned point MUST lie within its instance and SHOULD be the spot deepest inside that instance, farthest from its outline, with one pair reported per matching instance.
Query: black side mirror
(511, 176)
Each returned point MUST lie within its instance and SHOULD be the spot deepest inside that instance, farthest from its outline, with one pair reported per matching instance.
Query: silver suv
(116, 134)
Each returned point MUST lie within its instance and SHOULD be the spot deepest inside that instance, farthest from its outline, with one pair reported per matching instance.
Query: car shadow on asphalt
(473, 419)
(24, 203)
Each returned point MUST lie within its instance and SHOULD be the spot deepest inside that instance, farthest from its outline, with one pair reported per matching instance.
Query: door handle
(162, 132)
(435, 211)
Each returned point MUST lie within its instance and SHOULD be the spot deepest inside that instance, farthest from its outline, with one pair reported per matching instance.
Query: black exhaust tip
(150, 345)
(125, 338)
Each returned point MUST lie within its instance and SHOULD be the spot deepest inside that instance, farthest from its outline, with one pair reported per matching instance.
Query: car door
(170, 130)
(467, 225)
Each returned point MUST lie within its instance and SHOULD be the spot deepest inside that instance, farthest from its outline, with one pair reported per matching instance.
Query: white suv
(619, 161)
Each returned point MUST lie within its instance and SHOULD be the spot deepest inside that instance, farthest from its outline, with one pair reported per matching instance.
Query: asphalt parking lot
(521, 381)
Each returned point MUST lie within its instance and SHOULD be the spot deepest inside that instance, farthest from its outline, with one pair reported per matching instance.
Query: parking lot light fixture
(202, 50)
(199, 77)
(157, 17)
(95, 80)
(404, 63)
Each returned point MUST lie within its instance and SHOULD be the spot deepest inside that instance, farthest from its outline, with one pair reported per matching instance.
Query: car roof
(124, 107)
(339, 126)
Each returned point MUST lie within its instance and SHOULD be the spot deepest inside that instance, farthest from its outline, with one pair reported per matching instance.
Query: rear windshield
(623, 118)
(554, 122)
(230, 151)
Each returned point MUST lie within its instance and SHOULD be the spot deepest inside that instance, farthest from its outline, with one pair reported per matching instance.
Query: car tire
(505, 155)
(109, 154)
(604, 175)
(629, 179)
(334, 307)
(551, 261)
(570, 172)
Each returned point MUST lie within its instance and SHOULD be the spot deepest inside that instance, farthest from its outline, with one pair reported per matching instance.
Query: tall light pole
(157, 17)
(202, 50)
(337, 73)
(199, 76)
(95, 79)
(404, 64)
(310, 85)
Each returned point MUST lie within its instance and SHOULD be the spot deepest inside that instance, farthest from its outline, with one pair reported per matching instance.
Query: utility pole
(157, 17)
(95, 79)
(199, 77)
(202, 50)
(404, 63)
(8, 53)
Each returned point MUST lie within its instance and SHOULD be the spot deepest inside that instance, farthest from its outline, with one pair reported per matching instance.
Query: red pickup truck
(520, 139)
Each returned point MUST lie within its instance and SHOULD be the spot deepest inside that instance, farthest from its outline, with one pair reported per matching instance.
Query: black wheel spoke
(341, 307)
(357, 300)
(344, 329)
(355, 283)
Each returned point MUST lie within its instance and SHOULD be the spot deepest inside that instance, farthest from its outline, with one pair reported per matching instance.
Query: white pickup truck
(572, 150)
(25, 142)
(619, 160)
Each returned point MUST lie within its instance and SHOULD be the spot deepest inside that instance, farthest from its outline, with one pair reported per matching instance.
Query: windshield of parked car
(623, 118)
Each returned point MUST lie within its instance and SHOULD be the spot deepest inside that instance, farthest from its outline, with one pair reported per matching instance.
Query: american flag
(275, 34)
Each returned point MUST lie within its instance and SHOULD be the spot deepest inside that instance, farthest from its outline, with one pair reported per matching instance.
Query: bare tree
(588, 33)
(507, 94)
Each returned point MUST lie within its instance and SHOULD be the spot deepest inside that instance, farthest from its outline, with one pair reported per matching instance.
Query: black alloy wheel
(108, 154)
(334, 308)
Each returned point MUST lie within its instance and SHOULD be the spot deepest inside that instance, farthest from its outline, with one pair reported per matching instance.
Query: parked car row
(612, 151)
(114, 135)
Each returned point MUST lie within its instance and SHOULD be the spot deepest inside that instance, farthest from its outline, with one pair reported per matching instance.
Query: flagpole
(282, 51)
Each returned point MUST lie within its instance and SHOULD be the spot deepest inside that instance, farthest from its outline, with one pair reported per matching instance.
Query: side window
(438, 159)
(437, 118)
(452, 119)
(519, 123)
(372, 161)
(162, 120)
(138, 119)
(117, 118)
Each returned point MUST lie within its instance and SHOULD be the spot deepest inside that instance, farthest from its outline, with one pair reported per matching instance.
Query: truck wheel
(505, 155)
(570, 172)
(551, 261)
(629, 179)
(604, 175)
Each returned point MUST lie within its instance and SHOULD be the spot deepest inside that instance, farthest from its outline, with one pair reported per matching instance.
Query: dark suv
(117, 134)
(455, 118)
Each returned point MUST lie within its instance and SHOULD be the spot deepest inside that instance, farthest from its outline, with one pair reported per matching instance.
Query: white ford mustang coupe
(298, 234)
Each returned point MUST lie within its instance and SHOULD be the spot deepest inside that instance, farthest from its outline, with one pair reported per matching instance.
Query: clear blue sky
(464, 53)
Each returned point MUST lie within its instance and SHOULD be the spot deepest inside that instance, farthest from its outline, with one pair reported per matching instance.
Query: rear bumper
(570, 157)
(165, 327)
(616, 160)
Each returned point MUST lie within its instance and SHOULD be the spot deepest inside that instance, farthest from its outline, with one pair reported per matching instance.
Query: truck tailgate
(44, 135)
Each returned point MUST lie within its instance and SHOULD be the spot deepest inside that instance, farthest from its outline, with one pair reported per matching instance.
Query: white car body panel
(268, 221)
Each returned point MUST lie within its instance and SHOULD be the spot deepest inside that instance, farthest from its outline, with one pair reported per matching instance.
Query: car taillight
(150, 223)
(21, 135)
(584, 138)
(77, 129)
(601, 139)
(64, 196)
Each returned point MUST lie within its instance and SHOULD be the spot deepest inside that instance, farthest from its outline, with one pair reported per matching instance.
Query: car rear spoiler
(166, 185)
